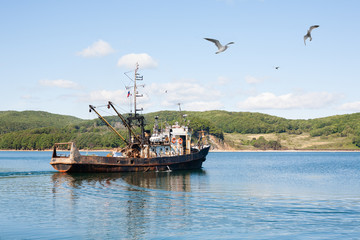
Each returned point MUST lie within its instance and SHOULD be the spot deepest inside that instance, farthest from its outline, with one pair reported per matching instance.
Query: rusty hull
(79, 163)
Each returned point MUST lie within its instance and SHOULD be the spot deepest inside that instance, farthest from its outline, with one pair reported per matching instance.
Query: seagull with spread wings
(308, 34)
(220, 47)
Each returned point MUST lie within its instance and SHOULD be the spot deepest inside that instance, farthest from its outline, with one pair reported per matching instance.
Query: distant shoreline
(49, 150)
(290, 150)
(214, 151)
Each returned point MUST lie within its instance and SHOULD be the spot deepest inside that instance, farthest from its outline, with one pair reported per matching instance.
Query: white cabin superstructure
(171, 141)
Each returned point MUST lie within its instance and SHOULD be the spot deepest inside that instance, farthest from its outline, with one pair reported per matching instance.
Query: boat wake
(25, 173)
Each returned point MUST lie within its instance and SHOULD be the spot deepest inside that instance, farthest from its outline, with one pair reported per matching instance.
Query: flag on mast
(128, 94)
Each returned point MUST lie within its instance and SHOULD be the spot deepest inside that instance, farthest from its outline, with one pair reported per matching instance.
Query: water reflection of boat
(169, 181)
(79, 179)
(174, 181)
(127, 202)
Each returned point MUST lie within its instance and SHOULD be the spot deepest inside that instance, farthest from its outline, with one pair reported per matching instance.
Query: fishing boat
(166, 149)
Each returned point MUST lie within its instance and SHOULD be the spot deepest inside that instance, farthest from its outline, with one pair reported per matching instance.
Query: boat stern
(69, 155)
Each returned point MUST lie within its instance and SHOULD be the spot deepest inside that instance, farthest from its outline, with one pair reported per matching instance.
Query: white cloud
(61, 83)
(223, 80)
(129, 61)
(103, 96)
(118, 97)
(97, 49)
(27, 97)
(186, 90)
(252, 80)
(191, 95)
(203, 106)
(289, 101)
(351, 106)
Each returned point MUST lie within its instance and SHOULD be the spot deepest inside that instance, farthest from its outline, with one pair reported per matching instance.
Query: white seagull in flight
(218, 44)
(308, 34)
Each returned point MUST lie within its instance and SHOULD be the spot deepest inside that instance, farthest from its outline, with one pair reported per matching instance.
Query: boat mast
(138, 119)
(137, 78)
(135, 89)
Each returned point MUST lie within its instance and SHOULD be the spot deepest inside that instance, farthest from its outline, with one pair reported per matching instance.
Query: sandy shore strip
(214, 151)
(289, 150)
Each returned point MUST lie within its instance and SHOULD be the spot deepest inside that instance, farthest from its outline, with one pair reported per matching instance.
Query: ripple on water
(236, 195)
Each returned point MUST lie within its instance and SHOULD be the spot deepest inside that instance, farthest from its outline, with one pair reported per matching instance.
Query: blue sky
(61, 56)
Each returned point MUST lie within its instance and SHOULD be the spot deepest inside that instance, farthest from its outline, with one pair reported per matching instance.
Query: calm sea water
(235, 196)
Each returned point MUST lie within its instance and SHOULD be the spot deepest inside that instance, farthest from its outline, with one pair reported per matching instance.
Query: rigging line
(117, 105)
(122, 110)
(104, 108)
(123, 83)
(107, 112)
(100, 106)
(120, 106)
(126, 85)
(128, 71)
(128, 76)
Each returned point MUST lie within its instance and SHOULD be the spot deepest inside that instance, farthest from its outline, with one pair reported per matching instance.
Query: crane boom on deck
(92, 108)
(124, 121)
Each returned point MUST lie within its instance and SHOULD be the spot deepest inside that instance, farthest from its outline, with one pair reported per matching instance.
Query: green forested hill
(336, 132)
(11, 121)
(254, 123)
(40, 130)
